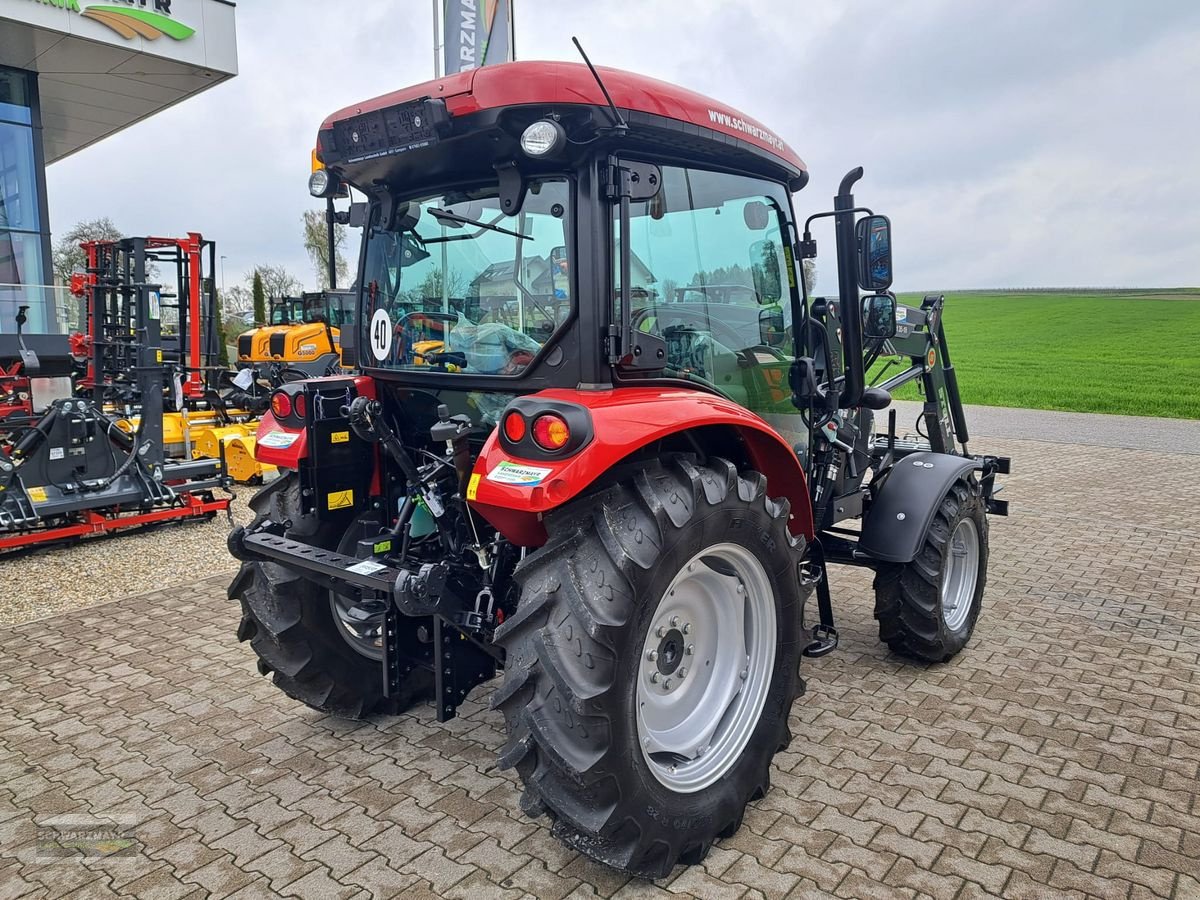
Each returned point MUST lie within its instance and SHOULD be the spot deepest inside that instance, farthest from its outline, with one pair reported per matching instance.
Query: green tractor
(620, 464)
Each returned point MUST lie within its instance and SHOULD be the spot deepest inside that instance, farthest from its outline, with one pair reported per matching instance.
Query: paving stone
(1056, 757)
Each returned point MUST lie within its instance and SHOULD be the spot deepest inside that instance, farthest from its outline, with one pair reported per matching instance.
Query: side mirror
(771, 327)
(879, 316)
(357, 216)
(874, 239)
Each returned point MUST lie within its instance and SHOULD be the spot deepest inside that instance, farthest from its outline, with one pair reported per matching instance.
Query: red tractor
(620, 466)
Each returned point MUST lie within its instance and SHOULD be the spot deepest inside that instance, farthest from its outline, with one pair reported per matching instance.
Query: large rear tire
(292, 626)
(927, 608)
(610, 735)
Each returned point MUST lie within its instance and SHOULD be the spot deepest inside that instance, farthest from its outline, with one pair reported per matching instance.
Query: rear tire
(578, 665)
(290, 624)
(917, 618)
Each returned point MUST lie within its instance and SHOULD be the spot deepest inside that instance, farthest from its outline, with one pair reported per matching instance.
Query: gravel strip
(101, 569)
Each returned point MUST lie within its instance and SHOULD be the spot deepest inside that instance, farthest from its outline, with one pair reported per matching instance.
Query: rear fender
(514, 491)
(903, 507)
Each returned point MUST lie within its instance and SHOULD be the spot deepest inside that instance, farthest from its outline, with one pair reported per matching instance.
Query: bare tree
(68, 257)
(237, 300)
(277, 281)
(316, 242)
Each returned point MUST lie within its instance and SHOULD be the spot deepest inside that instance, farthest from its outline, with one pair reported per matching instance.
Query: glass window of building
(23, 226)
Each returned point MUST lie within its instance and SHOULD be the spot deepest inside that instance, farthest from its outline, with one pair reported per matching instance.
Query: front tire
(292, 626)
(927, 608)
(634, 776)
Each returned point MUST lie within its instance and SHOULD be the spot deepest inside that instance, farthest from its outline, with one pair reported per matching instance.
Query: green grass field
(1128, 352)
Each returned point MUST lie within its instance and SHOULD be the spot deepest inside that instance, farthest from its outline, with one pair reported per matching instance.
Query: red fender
(624, 420)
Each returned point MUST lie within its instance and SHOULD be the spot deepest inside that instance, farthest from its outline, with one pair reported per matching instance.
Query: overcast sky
(1023, 143)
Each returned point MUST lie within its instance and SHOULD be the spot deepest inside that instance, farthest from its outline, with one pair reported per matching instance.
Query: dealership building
(73, 72)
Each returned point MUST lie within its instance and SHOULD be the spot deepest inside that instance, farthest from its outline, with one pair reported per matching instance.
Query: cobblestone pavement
(1057, 756)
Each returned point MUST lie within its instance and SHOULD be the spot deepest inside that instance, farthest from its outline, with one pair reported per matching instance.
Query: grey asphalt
(1127, 432)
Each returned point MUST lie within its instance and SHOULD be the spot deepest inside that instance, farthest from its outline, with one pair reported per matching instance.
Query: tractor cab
(601, 438)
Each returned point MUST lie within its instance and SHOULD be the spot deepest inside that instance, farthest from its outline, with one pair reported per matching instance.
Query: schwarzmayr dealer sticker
(523, 476)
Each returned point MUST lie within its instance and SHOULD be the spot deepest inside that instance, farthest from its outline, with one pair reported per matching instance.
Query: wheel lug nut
(652, 656)
(667, 685)
(674, 621)
(654, 677)
(683, 672)
(660, 631)
(691, 648)
(687, 627)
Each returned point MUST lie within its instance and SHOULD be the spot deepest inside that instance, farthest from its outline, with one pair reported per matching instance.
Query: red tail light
(300, 406)
(281, 405)
(514, 427)
(550, 432)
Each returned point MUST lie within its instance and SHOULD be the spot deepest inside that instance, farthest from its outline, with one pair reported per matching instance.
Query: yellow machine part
(302, 342)
(240, 462)
(207, 436)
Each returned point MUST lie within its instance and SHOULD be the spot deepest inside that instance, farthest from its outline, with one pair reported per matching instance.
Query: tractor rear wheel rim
(365, 637)
(706, 666)
(961, 575)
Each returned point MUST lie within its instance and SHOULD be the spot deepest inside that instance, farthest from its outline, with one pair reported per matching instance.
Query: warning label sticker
(511, 473)
(280, 440)
(473, 486)
(36, 494)
(340, 499)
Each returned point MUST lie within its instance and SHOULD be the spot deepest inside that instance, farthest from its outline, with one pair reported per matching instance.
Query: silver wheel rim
(366, 638)
(962, 571)
(705, 668)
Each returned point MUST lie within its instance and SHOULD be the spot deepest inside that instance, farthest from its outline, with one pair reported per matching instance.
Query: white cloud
(1016, 144)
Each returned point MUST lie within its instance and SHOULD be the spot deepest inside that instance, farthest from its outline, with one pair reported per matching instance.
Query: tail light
(550, 431)
(281, 405)
(514, 427)
(300, 406)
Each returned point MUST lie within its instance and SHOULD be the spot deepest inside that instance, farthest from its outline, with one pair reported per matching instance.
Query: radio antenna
(618, 122)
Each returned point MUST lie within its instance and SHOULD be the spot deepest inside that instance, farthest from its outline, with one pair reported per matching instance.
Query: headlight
(322, 184)
(544, 138)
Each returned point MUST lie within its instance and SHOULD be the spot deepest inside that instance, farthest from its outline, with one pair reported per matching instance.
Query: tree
(237, 300)
(68, 257)
(278, 281)
(316, 242)
(260, 299)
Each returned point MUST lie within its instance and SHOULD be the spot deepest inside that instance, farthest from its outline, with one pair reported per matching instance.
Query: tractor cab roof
(463, 125)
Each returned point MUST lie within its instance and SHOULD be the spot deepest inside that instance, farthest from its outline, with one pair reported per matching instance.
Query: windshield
(458, 286)
(286, 310)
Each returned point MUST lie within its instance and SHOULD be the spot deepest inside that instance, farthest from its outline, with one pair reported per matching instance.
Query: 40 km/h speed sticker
(381, 335)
